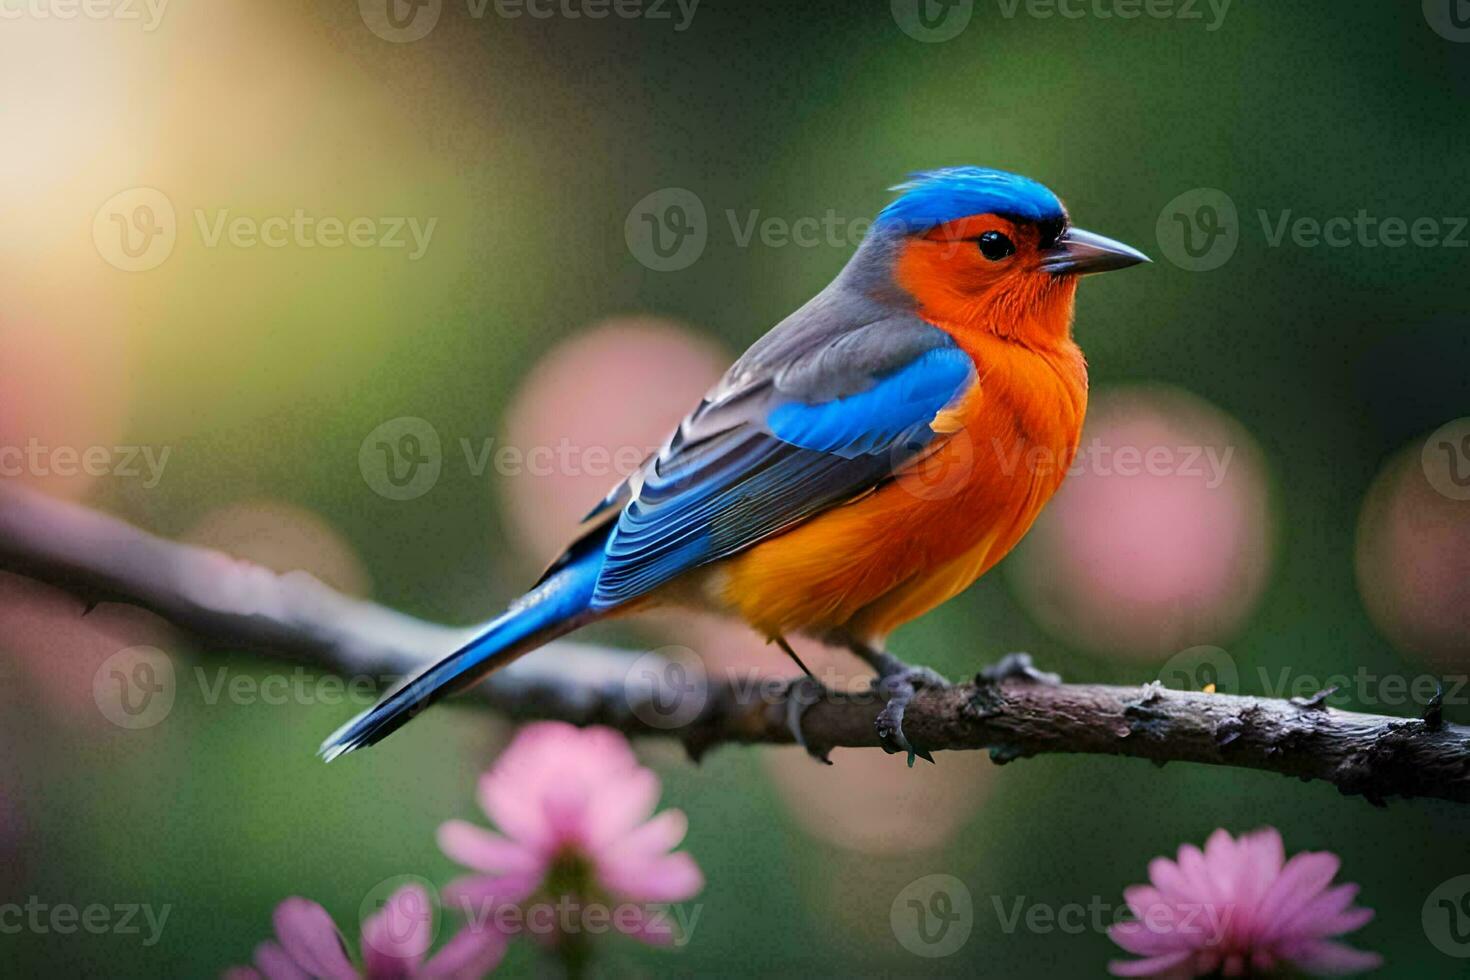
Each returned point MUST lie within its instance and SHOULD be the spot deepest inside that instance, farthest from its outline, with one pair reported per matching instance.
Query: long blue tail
(559, 604)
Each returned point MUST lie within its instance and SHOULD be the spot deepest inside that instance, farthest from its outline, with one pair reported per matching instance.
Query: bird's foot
(899, 682)
(801, 694)
(1015, 666)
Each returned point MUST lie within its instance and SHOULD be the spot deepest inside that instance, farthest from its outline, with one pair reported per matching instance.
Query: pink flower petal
(1143, 899)
(1199, 886)
(652, 839)
(620, 807)
(1328, 915)
(310, 938)
(557, 745)
(1349, 921)
(471, 954)
(396, 937)
(567, 817)
(479, 897)
(275, 964)
(545, 761)
(609, 751)
(1301, 879)
(513, 809)
(484, 850)
(671, 878)
(1141, 940)
(1158, 925)
(1261, 855)
(1222, 861)
(1265, 851)
(1169, 880)
(1154, 966)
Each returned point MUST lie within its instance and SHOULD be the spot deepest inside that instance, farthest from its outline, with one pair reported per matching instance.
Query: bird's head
(979, 249)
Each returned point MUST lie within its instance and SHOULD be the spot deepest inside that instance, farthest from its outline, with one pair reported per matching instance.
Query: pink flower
(575, 811)
(1236, 908)
(394, 941)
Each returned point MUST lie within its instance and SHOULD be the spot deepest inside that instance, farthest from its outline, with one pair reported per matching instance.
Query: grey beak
(1082, 253)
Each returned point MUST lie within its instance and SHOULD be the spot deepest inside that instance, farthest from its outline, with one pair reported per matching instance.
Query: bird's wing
(813, 415)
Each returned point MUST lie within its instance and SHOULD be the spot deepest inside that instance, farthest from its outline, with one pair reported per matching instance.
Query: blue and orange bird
(782, 499)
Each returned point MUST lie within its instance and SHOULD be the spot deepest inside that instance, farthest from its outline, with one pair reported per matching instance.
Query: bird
(864, 461)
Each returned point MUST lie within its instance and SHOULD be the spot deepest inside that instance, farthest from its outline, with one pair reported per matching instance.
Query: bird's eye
(995, 246)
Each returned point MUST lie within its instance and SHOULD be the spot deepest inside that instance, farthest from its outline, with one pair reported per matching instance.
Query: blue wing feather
(884, 414)
(724, 484)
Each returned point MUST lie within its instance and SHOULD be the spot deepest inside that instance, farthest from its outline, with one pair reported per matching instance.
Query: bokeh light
(921, 808)
(1413, 563)
(590, 412)
(283, 538)
(1160, 538)
(64, 393)
(58, 644)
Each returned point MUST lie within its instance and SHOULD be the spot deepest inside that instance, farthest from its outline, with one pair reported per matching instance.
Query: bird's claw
(899, 682)
(801, 694)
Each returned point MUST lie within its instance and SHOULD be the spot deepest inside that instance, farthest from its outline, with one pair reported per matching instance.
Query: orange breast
(875, 563)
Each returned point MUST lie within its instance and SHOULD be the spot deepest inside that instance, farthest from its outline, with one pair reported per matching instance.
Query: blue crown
(937, 196)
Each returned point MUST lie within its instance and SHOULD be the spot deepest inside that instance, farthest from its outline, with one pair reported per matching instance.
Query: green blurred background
(530, 140)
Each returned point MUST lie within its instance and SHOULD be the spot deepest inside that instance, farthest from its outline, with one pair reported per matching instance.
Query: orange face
(984, 272)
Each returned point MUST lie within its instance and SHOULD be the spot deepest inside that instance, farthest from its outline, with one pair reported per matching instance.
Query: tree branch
(1012, 709)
